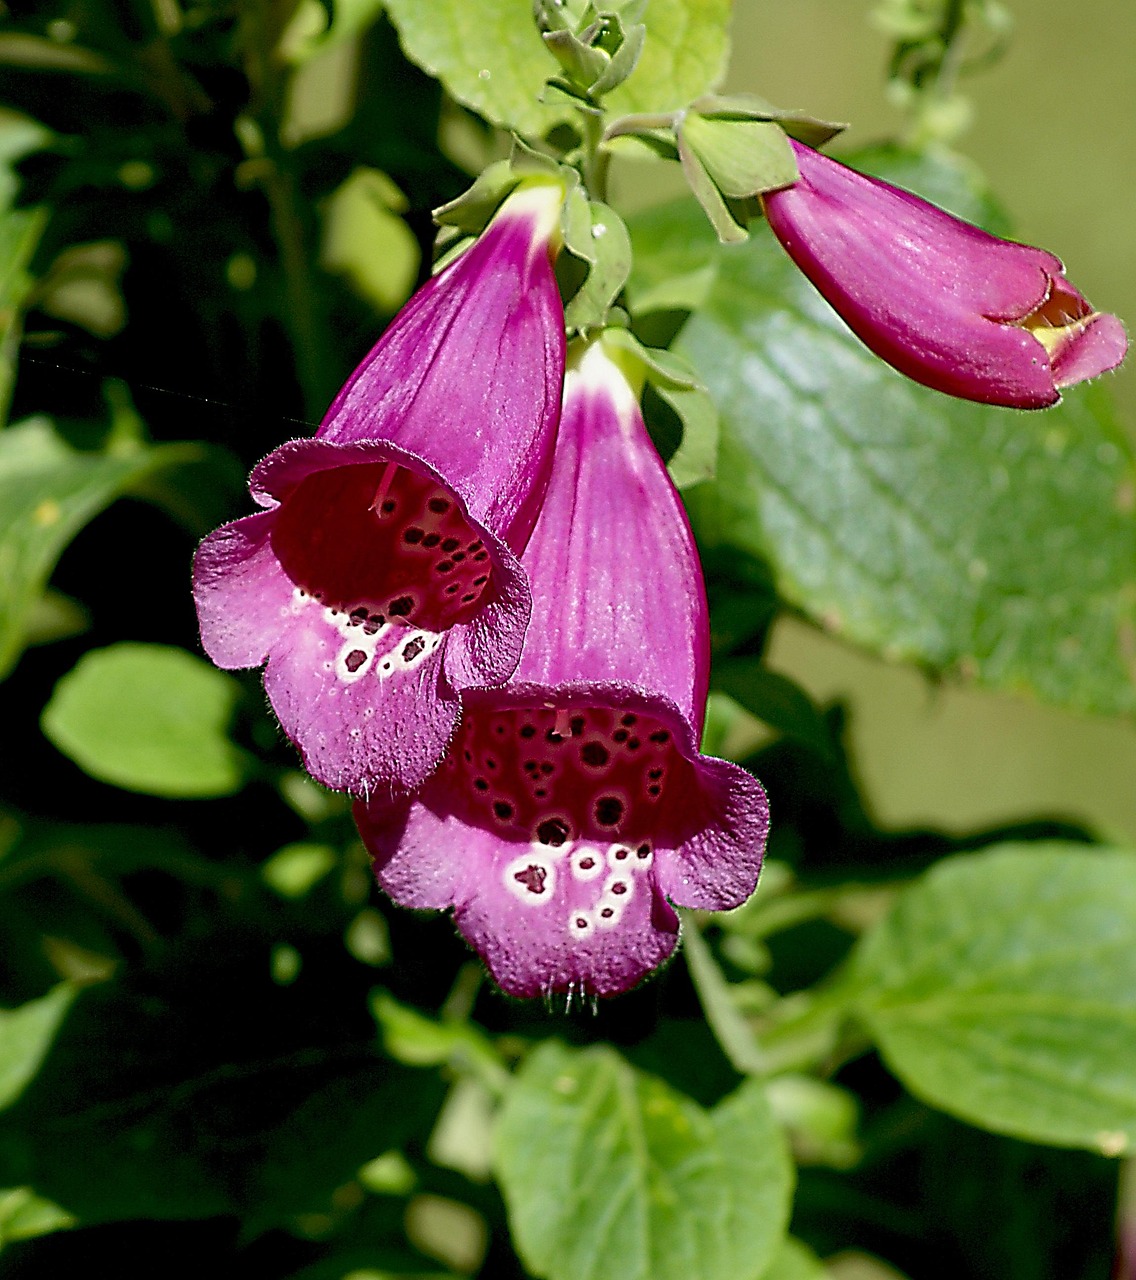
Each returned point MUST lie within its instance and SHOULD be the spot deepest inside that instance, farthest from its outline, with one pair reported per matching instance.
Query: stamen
(385, 482)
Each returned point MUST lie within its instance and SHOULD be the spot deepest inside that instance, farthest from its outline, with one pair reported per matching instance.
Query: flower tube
(573, 807)
(382, 578)
(942, 301)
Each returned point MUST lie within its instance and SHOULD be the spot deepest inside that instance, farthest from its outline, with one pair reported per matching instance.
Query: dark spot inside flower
(644, 851)
(595, 754)
(450, 544)
(633, 744)
(621, 854)
(532, 877)
(586, 864)
(540, 793)
(481, 555)
(628, 720)
(499, 729)
(412, 648)
(530, 766)
(458, 556)
(553, 831)
(354, 660)
(581, 922)
(475, 545)
(480, 582)
(413, 534)
(373, 623)
(654, 790)
(388, 506)
(619, 887)
(386, 666)
(438, 505)
(401, 607)
(660, 735)
(609, 811)
(654, 773)
(453, 588)
(444, 566)
(491, 764)
(503, 809)
(607, 913)
(431, 539)
(468, 754)
(481, 784)
(467, 598)
(621, 735)
(547, 767)
(528, 731)
(577, 725)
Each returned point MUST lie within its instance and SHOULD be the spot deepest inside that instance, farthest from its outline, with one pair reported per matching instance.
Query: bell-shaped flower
(942, 301)
(382, 578)
(573, 809)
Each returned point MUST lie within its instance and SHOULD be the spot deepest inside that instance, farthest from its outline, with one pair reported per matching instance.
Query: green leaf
(48, 492)
(743, 157)
(24, 1215)
(489, 55)
(20, 231)
(609, 1174)
(26, 1034)
(1002, 988)
(149, 718)
(775, 699)
(685, 56)
(970, 540)
(794, 1261)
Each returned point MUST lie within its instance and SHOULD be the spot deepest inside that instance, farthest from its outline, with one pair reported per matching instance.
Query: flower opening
(573, 807)
(382, 577)
(942, 301)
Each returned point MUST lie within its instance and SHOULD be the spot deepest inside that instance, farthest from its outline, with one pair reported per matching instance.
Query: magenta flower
(573, 807)
(940, 300)
(382, 579)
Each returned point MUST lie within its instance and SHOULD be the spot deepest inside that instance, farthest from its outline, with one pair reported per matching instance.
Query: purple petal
(942, 301)
(573, 802)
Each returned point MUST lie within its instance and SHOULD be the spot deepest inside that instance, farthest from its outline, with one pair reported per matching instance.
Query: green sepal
(469, 213)
(595, 233)
(601, 56)
(743, 157)
(583, 63)
(676, 383)
(749, 106)
(730, 228)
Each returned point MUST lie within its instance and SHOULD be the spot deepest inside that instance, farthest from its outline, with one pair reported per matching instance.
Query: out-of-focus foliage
(219, 1045)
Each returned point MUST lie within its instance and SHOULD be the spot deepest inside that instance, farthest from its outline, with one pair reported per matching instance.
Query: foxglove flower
(939, 299)
(383, 578)
(573, 807)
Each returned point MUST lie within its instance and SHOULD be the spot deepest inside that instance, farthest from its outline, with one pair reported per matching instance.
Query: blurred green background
(1052, 133)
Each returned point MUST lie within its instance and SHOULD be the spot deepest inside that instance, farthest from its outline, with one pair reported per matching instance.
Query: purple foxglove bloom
(939, 299)
(573, 807)
(382, 578)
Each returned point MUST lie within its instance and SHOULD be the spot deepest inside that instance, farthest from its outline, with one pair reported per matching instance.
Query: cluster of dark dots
(532, 877)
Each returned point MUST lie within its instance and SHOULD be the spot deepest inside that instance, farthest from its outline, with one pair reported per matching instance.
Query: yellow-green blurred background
(1053, 132)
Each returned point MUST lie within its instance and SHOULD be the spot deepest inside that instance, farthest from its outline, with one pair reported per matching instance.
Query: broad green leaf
(148, 718)
(48, 492)
(26, 1034)
(1002, 988)
(971, 540)
(609, 1174)
(491, 57)
(685, 56)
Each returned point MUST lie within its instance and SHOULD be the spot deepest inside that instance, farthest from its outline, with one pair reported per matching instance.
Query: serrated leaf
(967, 539)
(149, 718)
(609, 1174)
(26, 1034)
(1002, 988)
(48, 492)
